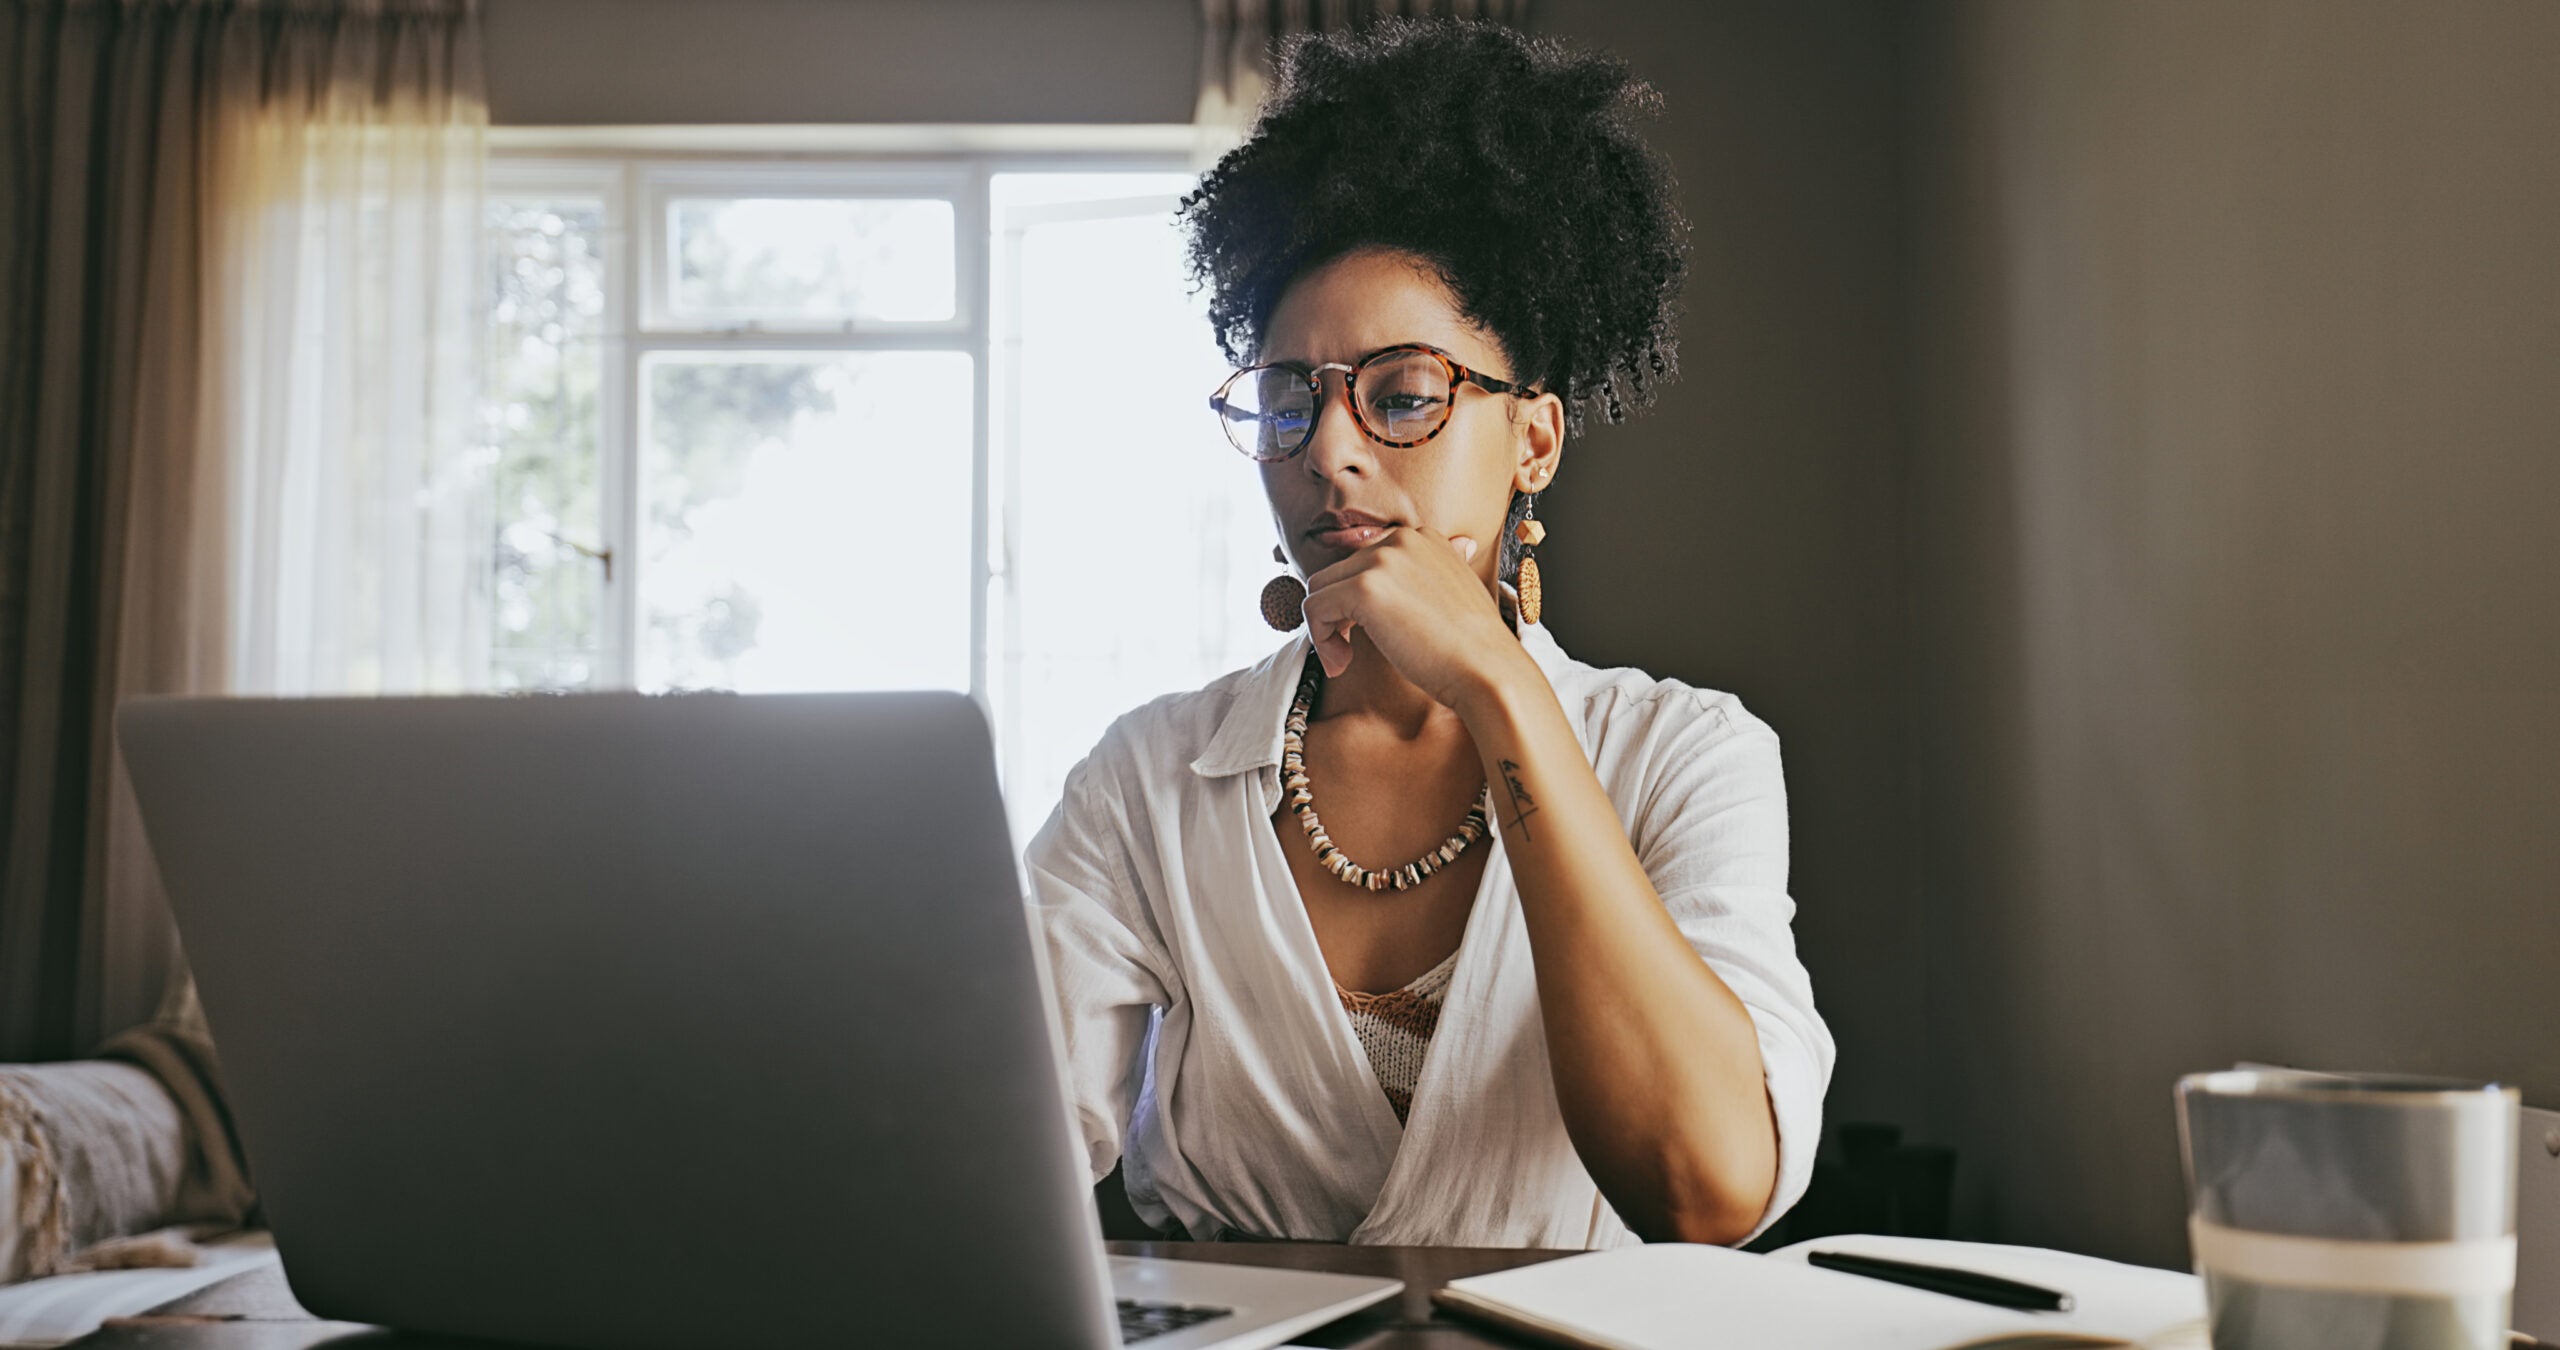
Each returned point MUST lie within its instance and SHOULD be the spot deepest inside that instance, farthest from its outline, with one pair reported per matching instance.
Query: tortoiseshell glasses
(1400, 396)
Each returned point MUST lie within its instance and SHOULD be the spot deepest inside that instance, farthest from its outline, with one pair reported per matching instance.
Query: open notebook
(1672, 1296)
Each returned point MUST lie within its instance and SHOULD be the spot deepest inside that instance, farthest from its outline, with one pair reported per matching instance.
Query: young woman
(1421, 931)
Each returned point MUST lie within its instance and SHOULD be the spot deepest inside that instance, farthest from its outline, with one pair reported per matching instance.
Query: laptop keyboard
(1146, 1321)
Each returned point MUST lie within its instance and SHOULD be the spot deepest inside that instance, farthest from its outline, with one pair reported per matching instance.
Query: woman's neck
(1373, 688)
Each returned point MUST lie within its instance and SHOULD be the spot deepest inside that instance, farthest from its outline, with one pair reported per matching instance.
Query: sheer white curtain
(348, 358)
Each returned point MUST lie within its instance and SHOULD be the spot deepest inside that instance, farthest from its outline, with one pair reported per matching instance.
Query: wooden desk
(255, 1311)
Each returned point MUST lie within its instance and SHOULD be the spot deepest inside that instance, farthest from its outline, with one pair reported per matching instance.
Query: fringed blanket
(96, 1152)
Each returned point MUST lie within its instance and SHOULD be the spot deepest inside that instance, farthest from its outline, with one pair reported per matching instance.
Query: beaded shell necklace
(1293, 776)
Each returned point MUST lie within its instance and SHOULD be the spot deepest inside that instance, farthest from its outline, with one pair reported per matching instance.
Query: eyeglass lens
(1402, 398)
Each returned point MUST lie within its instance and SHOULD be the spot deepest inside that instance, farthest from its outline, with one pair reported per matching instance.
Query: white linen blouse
(1206, 1048)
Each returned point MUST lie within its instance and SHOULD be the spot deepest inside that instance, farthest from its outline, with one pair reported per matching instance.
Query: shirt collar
(1249, 736)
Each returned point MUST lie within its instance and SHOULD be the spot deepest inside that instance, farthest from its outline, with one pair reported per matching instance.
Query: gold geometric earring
(1284, 600)
(1530, 533)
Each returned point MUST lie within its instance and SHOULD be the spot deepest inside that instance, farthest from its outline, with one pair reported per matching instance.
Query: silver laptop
(630, 1022)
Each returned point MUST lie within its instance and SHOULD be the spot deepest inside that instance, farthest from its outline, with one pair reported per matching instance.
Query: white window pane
(806, 521)
(1012, 191)
(803, 260)
(1135, 484)
(542, 418)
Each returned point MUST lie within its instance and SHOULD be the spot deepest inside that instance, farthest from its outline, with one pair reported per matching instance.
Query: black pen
(1940, 1280)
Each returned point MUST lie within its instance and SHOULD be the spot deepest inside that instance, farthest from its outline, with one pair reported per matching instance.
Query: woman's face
(1342, 488)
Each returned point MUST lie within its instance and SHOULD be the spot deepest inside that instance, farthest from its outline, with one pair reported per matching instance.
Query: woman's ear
(1539, 436)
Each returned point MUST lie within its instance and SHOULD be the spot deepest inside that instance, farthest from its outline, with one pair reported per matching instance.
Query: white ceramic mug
(2351, 1211)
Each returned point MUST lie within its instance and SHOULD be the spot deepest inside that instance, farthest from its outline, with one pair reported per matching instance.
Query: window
(808, 424)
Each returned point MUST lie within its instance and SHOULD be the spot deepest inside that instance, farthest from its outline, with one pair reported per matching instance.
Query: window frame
(659, 185)
(634, 177)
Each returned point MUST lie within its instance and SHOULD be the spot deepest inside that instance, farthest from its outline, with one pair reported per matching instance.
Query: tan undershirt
(1395, 1028)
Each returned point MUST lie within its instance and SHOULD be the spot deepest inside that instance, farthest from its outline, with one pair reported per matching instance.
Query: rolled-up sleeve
(1711, 832)
(1107, 968)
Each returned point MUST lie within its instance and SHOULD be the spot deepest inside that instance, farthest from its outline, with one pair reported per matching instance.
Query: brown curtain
(100, 309)
(140, 150)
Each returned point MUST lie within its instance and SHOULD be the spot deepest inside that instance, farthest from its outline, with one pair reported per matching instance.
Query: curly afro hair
(1509, 163)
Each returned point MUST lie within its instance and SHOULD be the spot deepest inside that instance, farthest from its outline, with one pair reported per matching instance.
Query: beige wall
(581, 62)
(1746, 534)
(2237, 410)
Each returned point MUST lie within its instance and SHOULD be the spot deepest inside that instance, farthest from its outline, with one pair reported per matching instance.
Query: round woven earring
(1284, 599)
(1530, 533)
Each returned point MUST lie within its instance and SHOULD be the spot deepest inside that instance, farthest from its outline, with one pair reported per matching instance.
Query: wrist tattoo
(1523, 805)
